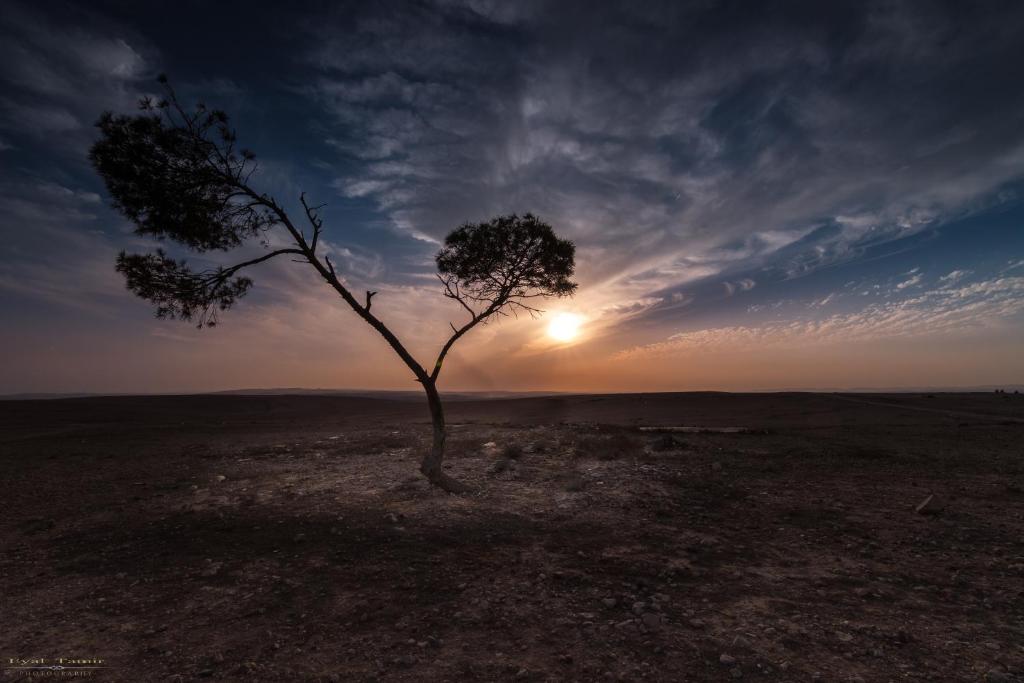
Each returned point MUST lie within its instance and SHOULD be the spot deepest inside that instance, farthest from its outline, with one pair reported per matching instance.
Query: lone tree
(178, 174)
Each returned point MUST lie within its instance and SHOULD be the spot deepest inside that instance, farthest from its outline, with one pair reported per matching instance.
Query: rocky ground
(774, 537)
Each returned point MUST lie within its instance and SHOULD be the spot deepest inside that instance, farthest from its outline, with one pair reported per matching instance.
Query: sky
(789, 195)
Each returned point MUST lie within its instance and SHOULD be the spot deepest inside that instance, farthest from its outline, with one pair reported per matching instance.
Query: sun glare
(564, 327)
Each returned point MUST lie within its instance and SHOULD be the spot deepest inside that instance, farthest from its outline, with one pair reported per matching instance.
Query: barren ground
(289, 538)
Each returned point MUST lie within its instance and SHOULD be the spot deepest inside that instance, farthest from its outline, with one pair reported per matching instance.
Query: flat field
(290, 538)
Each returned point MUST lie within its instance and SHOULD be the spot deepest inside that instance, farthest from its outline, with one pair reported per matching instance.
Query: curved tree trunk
(431, 465)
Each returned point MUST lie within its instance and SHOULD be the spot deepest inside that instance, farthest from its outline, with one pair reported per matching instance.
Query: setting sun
(564, 327)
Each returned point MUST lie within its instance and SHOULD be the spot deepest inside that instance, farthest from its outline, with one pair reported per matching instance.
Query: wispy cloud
(910, 282)
(58, 75)
(652, 167)
(953, 277)
(941, 311)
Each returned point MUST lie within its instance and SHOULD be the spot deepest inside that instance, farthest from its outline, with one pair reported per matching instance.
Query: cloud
(910, 282)
(654, 160)
(744, 285)
(59, 73)
(954, 277)
(967, 309)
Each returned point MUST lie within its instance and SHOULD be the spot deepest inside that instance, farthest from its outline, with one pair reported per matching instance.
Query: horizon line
(502, 393)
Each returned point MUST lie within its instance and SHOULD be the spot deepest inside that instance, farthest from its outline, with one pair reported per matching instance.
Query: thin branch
(314, 219)
(495, 307)
(228, 272)
(455, 294)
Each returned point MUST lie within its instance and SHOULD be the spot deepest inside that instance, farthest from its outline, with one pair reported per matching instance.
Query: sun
(564, 327)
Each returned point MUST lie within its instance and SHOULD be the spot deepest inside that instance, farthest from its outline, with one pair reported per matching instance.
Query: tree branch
(455, 293)
(231, 270)
(486, 313)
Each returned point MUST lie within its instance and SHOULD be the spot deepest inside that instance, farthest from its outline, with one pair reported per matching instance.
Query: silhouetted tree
(179, 175)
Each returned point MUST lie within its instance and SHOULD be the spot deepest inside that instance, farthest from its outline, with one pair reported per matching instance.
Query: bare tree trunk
(431, 466)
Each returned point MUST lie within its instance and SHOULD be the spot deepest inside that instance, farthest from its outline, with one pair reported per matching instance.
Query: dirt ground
(290, 538)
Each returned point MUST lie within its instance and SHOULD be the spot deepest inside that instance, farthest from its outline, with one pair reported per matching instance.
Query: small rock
(652, 621)
(610, 602)
(716, 466)
(727, 660)
(843, 637)
(929, 506)
(211, 569)
(736, 672)
(220, 477)
(741, 642)
(997, 676)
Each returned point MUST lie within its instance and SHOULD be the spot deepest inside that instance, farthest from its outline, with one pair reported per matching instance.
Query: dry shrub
(615, 447)
(463, 445)
(512, 451)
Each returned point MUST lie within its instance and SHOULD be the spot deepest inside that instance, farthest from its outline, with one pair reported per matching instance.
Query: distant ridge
(413, 395)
